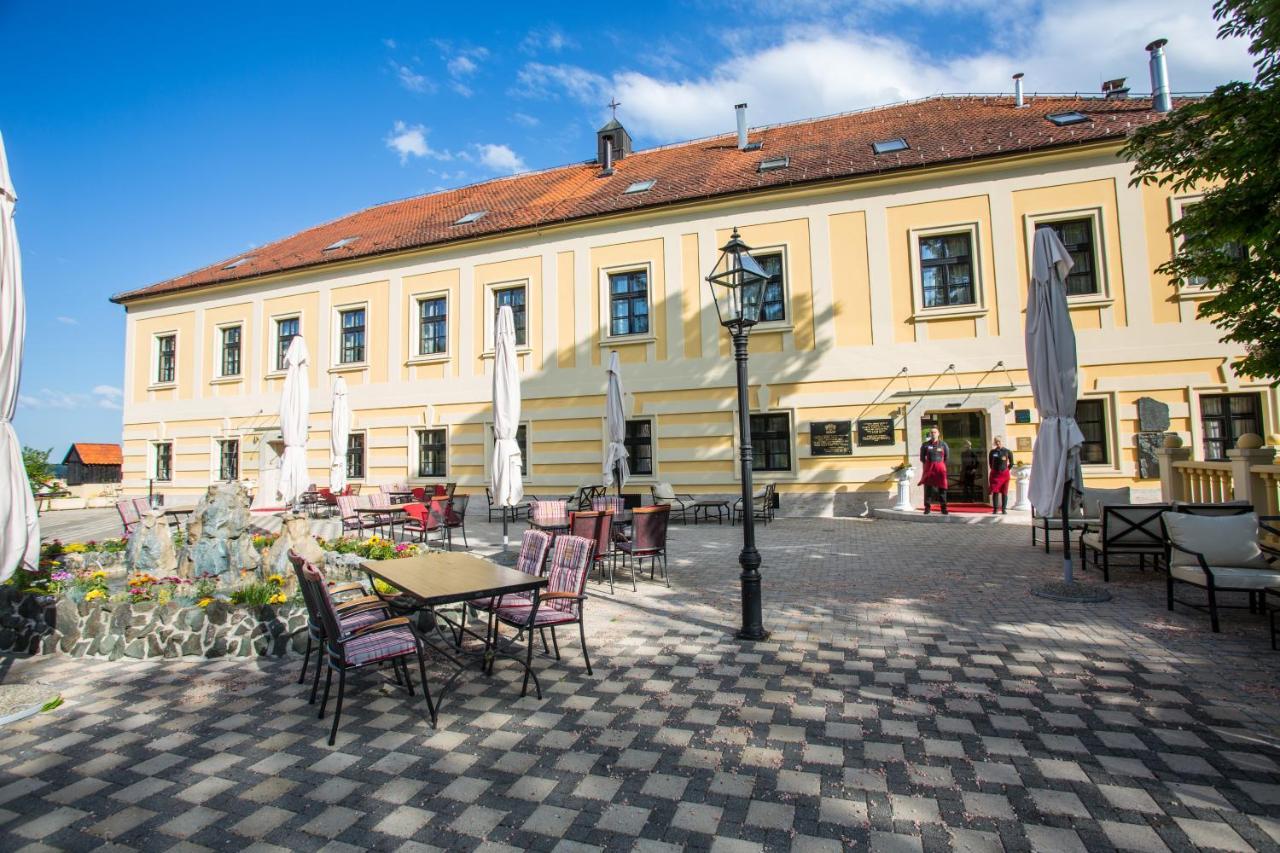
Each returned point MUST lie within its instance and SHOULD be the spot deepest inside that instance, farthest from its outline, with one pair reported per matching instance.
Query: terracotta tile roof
(938, 130)
(98, 454)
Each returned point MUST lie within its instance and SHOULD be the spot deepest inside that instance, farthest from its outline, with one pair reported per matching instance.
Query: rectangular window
(355, 456)
(1231, 249)
(167, 351)
(946, 270)
(774, 307)
(231, 351)
(433, 334)
(351, 350)
(770, 442)
(1226, 417)
(228, 459)
(164, 460)
(431, 450)
(513, 297)
(629, 303)
(286, 331)
(639, 444)
(1091, 415)
(1077, 236)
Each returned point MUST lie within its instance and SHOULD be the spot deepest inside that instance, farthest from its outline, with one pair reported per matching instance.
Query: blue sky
(149, 139)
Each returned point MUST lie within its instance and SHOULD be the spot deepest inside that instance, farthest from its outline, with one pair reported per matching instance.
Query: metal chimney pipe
(1161, 101)
(608, 155)
(741, 110)
(1017, 91)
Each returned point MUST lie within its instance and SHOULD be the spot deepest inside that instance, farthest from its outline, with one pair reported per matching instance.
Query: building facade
(898, 243)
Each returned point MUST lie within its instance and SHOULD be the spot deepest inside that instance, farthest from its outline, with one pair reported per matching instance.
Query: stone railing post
(1021, 485)
(1170, 477)
(1247, 485)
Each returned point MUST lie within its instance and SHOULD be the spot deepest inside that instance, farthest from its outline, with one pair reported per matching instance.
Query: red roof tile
(98, 454)
(939, 130)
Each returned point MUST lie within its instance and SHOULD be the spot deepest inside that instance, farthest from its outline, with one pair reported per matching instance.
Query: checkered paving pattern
(913, 697)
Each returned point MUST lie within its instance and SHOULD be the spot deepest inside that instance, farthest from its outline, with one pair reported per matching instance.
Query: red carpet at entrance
(958, 506)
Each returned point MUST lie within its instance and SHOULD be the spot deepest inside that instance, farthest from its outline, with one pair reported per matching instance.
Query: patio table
(560, 523)
(178, 515)
(400, 497)
(721, 508)
(447, 577)
(390, 513)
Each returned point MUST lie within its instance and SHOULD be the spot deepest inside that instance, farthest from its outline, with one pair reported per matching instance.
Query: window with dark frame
(946, 270)
(1232, 249)
(164, 460)
(351, 349)
(1077, 236)
(1226, 417)
(639, 444)
(514, 297)
(286, 331)
(355, 456)
(231, 351)
(431, 450)
(1091, 415)
(629, 303)
(228, 459)
(774, 307)
(433, 325)
(167, 347)
(771, 442)
(523, 444)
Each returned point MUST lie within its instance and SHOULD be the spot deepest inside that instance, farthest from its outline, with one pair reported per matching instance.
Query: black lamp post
(737, 285)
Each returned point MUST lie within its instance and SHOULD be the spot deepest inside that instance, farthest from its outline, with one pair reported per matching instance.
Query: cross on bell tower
(612, 141)
(613, 104)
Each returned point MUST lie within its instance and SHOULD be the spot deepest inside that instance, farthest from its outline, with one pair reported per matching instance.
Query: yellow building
(898, 240)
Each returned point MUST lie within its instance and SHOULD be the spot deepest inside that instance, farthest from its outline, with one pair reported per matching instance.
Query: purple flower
(60, 576)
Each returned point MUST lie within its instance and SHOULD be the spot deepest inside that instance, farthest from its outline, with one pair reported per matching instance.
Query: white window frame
(415, 326)
(335, 335)
(219, 331)
(791, 473)
(153, 457)
(490, 311)
(979, 306)
(653, 446)
(418, 477)
(154, 379)
(272, 360)
(365, 467)
(1101, 269)
(787, 323)
(606, 305)
(528, 456)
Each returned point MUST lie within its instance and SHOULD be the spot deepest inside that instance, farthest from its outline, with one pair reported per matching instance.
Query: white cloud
(817, 70)
(108, 391)
(461, 66)
(389, 43)
(411, 141)
(547, 38)
(67, 321)
(500, 158)
(525, 119)
(411, 79)
(102, 396)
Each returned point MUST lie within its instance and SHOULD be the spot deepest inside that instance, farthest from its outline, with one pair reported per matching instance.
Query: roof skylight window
(773, 164)
(640, 186)
(473, 216)
(888, 146)
(1063, 119)
(239, 262)
(345, 241)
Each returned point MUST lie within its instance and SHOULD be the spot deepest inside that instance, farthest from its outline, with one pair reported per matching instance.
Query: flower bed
(94, 612)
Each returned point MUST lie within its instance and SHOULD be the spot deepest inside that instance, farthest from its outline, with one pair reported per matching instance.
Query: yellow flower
(94, 595)
(204, 602)
(98, 575)
(278, 598)
(278, 580)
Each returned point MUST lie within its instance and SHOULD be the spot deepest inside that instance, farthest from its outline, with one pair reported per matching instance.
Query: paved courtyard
(913, 697)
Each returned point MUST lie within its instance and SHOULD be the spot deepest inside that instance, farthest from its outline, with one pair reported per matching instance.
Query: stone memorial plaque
(1153, 416)
(1024, 444)
(830, 438)
(1148, 462)
(876, 432)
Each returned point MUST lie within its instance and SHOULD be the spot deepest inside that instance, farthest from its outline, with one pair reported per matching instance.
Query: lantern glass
(737, 285)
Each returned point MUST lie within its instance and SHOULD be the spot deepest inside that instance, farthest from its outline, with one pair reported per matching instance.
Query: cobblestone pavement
(913, 697)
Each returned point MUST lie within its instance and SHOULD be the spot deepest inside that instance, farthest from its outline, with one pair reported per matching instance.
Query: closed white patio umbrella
(295, 404)
(508, 489)
(615, 417)
(339, 431)
(19, 524)
(1056, 478)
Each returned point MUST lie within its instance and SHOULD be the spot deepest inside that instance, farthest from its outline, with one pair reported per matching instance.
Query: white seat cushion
(664, 491)
(1223, 540)
(1093, 540)
(1228, 577)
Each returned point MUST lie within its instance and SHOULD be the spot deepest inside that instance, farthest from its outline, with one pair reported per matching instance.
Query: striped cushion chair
(356, 609)
(610, 503)
(352, 520)
(533, 553)
(388, 641)
(560, 604)
(548, 510)
(128, 515)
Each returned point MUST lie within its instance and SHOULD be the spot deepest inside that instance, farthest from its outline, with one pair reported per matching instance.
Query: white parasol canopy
(19, 524)
(295, 404)
(615, 418)
(339, 431)
(508, 489)
(1052, 366)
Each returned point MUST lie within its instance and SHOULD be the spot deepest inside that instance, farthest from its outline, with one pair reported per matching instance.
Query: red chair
(423, 521)
(598, 527)
(648, 539)
(419, 494)
(128, 515)
(440, 491)
(455, 518)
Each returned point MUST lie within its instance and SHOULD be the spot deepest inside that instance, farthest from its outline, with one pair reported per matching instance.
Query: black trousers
(934, 494)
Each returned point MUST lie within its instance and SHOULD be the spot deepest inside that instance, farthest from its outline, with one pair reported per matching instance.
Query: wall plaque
(1153, 416)
(1024, 444)
(1148, 461)
(876, 432)
(830, 438)
(1022, 416)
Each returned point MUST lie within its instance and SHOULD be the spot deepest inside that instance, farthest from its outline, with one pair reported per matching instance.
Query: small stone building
(93, 463)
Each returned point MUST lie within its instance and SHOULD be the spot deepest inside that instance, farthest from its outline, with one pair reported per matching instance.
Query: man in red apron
(999, 462)
(933, 470)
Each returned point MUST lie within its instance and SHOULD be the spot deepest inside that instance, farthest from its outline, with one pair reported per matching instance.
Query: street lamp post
(737, 286)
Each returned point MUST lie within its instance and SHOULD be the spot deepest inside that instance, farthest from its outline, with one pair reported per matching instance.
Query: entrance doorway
(966, 435)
